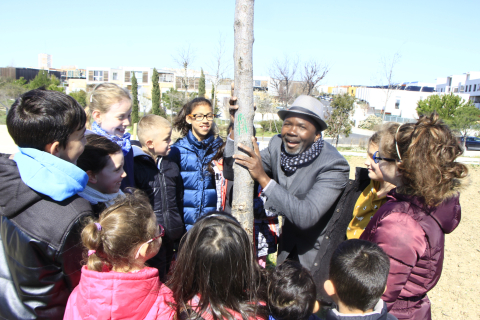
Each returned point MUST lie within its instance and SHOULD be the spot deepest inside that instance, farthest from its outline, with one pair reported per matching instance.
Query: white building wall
(408, 100)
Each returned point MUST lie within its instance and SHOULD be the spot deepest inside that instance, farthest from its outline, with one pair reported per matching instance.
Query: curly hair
(425, 157)
(180, 123)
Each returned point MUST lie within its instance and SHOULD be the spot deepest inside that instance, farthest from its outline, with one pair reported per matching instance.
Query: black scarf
(290, 163)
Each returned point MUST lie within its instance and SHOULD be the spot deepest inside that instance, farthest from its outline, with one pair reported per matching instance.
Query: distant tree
(184, 58)
(201, 85)
(338, 120)
(313, 72)
(135, 99)
(445, 105)
(156, 94)
(173, 100)
(10, 90)
(466, 118)
(216, 110)
(219, 67)
(459, 114)
(80, 96)
(388, 67)
(43, 79)
(265, 104)
(282, 74)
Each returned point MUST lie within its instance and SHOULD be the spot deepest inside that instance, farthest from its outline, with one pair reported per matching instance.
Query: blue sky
(434, 38)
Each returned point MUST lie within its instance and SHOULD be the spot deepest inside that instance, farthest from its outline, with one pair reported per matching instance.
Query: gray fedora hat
(308, 106)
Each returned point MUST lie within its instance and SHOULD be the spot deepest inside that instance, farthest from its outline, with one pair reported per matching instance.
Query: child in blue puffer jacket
(192, 154)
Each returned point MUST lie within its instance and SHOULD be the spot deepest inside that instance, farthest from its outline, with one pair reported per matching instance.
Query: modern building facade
(44, 61)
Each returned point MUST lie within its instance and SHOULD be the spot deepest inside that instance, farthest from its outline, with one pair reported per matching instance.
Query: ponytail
(112, 239)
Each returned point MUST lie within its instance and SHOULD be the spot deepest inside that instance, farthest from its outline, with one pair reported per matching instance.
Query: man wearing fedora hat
(302, 177)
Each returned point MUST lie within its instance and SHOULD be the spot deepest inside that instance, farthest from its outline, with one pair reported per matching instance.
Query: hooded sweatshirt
(40, 249)
(117, 295)
(413, 236)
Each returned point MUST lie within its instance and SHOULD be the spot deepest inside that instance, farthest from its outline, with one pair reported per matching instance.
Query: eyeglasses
(377, 158)
(200, 117)
(162, 233)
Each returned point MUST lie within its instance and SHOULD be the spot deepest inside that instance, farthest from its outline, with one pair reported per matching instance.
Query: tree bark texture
(242, 204)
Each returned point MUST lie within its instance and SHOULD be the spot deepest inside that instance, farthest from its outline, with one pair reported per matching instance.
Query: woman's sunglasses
(376, 158)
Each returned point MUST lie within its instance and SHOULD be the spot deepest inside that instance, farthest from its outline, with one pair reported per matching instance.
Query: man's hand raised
(253, 162)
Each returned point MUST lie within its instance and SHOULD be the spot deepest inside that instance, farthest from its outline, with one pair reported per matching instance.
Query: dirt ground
(457, 294)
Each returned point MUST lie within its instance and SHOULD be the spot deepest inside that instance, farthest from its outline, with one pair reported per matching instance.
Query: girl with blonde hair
(109, 112)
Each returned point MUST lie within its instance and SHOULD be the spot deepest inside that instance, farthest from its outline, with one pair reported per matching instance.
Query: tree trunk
(242, 205)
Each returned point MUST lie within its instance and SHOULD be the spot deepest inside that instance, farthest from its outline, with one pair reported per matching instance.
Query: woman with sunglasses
(115, 281)
(371, 191)
(419, 158)
(192, 154)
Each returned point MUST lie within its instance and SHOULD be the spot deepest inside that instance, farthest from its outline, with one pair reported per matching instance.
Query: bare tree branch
(313, 73)
(184, 59)
(282, 74)
(388, 66)
(219, 66)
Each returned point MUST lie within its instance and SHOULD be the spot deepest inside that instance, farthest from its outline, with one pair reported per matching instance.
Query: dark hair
(291, 292)
(217, 262)
(428, 150)
(180, 123)
(39, 117)
(95, 156)
(123, 226)
(359, 271)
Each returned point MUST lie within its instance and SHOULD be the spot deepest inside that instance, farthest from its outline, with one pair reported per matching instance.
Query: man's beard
(299, 149)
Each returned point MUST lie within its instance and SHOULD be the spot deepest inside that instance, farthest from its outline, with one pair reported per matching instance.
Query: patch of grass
(3, 117)
(266, 134)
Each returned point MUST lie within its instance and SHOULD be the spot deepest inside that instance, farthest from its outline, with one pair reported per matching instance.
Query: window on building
(165, 77)
(138, 75)
(97, 75)
(115, 76)
(474, 87)
(397, 103)
(257, 83)
(470, 88)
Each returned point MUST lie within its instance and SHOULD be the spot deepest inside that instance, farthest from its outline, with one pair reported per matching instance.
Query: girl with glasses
(115, 282)
(192, 154)
(419, 159)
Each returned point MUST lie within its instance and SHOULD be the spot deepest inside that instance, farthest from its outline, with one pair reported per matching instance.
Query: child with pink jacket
(115, 283)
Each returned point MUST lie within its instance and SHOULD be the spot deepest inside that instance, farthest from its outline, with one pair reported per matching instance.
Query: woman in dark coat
(419, 158)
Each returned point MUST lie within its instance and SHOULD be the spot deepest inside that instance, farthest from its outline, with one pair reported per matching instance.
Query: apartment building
(123, 77)
(465, 85)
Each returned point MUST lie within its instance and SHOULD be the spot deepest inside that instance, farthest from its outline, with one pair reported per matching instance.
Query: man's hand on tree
(253, 162)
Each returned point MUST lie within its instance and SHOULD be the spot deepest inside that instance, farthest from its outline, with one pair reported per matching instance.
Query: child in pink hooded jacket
(115, 283)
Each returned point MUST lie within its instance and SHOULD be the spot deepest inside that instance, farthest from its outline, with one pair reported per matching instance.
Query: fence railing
(395, 119)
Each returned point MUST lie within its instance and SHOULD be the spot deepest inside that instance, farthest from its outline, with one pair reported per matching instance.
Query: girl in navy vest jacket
(193, 153)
